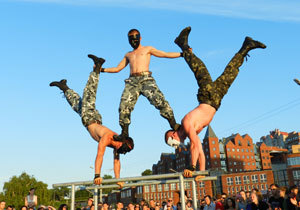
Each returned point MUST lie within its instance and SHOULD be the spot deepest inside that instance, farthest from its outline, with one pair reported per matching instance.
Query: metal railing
(155, 179)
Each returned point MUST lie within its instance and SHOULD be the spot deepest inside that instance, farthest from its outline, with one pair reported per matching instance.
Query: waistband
(93, 121)
(144, 73)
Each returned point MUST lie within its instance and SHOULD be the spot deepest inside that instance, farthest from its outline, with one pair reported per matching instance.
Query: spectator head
(30, 208)
(2, 205)
(274, 189)
(120, 205)
(207, 199)
(282, 191)
(31, 191)
(189, 203)
(163, 204)
(145, 206)
(243, 194)
(23, 208)
(90, 201)
(9, 207)
(137, 206)
(230, 203)
(63, 207)
(130, 206)
(294, 189)
(105, 206)
(248, 193)
(170, 202)
(152, 203)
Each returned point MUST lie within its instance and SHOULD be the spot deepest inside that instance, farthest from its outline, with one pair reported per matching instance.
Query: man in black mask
(140, 81)
(92, 120)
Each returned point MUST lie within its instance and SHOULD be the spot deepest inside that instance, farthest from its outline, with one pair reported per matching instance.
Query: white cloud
(271, 10)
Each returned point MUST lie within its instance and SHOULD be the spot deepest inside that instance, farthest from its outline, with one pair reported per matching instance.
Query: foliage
(147, 172)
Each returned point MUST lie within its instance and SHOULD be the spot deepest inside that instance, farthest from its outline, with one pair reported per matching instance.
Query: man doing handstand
(209, 96)
(92, 120)
(141, 82)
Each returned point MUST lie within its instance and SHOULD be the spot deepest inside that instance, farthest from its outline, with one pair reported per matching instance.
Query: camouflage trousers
(85, 107)
(210, 92)
(145, 85)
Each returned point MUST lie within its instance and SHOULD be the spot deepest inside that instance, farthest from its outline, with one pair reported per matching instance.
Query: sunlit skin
(254, 198)
(191, 125)
(139, 59)
(2, 205)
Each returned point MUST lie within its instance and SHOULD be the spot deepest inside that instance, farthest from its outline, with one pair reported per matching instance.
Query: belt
(144, 73)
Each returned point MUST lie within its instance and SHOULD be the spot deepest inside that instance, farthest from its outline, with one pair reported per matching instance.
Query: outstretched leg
(196, 65)
(72, 97)
(89, 112)
(151, 91)
(231, 71)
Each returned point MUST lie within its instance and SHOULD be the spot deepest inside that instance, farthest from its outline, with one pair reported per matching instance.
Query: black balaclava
(134, 40)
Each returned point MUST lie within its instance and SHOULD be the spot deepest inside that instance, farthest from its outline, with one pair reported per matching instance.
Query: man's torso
(139, 59)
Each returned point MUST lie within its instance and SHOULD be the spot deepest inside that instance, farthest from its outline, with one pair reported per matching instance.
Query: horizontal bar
(125, 179)
(209, 178)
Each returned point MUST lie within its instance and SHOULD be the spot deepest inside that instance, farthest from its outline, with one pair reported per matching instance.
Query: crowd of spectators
(276, 198)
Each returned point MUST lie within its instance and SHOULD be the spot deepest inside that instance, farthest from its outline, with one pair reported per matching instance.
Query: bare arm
(121, 65)
(99, 157)
(117, 164)
(162, 54)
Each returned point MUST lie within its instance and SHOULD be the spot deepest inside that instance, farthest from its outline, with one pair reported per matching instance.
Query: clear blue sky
(46, 40)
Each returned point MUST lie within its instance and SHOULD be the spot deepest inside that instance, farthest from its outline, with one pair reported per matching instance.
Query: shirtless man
(92, 120)
(141, 82)
(209, 95)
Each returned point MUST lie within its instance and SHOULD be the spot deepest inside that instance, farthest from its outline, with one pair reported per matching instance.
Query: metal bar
(73, 197)
(101, 196)
(182, 195)
(211, 178)
(138, 178)
(95, 199)
(194, 194)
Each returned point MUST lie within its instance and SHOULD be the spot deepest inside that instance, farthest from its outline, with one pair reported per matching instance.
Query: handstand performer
(209, 96)
(92, 120)
(141, 82)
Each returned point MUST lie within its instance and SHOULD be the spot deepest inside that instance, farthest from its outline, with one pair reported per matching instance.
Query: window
(232, 190)
(247, 156)
(243, 156)
(229, 181)
(263, 178)
(173, 186)
(201, 184)
(262, 151)
(234, 163)
(249, 187)
(296, 174)
(228, 149)
(159, 188)
(153, 188)
(233, 149)
(166, 187)
(214, 149)
(146, 189)
(237, 150)
(246, 179)
(215, 156)
(238, 180)
(213, 142)
(233, 156)
(187, 185)
(242, 150)
(262, 186)
(247, 150)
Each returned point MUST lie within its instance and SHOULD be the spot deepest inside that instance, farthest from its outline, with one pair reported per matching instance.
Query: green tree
(107, 191)
(17, 188)
(147, 172)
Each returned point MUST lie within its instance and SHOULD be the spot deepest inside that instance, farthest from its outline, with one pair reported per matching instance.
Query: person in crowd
(219, 202)
(170, 204)
(178, 205)
(120, 205)
(157, 206)
(189, 205)
(291, 201)
(23, 208)
(209, 204)
(137, 207)
(130, 206)
(152, 204)
(105, 206)
(257, 202)
(31, 199)
(9, 207)
(229, 204)
(63, 207)
(282, 193)
(2, 205)
(241, 200)
(275, 200)
(90, 204)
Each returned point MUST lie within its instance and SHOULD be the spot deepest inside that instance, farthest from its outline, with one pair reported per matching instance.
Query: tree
(17, 188)
(147, 172)
(107, 191)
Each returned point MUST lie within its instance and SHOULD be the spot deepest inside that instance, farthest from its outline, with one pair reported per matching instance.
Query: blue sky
(42, 41)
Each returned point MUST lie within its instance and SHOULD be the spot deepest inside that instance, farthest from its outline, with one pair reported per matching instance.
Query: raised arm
(162, 54)
(117, 168)
(124, 62)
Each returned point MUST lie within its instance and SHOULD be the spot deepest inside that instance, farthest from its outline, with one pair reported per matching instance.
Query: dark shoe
(182, 39)
(62, 84)
(297, 81)
(176, 127)
(97, 61)
(250, 44)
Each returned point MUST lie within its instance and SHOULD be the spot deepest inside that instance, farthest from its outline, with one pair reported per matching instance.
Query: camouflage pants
(210, 92)
(85, 107)
(145, 85)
